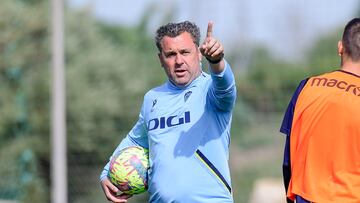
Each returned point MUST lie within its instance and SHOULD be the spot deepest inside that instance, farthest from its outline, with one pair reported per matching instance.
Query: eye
(185, 52)
(170, 54)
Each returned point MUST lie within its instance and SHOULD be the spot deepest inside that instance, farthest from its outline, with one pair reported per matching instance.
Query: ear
(161, 59)
(199, 53)
(340, 48)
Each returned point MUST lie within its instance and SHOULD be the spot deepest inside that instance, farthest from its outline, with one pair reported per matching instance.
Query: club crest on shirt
(187, 95)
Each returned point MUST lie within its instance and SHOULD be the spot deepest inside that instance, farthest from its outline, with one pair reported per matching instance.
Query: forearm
(105, 171)
(223, 90)
(217, 68)
(222, 76)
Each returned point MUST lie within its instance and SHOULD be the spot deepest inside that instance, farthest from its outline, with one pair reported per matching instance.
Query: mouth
(180, 72)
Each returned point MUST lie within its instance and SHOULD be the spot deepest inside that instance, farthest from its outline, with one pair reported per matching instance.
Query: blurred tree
(24, 96)
(109, 68)
(323, 57)
(268, 82)
(108, 71)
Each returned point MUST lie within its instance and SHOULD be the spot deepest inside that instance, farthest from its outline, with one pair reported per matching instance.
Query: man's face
(180, 58)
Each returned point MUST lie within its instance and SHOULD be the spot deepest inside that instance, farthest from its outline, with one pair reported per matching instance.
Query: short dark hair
(175, 29)
(351, 39)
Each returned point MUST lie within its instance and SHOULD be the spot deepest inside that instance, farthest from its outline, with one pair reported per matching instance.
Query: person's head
(349, 46)
(179, 54)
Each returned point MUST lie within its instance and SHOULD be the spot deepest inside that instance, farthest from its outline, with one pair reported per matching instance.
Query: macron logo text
(342, 85)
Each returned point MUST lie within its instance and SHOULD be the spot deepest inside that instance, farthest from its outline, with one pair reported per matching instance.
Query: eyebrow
(181, 50)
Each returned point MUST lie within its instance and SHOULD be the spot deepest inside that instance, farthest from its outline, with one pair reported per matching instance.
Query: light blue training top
(187, 132)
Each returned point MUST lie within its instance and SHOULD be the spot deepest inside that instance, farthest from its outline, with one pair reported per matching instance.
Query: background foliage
(108, 69)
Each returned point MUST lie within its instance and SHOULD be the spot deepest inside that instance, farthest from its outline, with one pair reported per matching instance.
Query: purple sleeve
(286, 129)
(288, 117)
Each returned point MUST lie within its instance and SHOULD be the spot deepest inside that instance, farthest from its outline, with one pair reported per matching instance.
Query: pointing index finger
(209, 29)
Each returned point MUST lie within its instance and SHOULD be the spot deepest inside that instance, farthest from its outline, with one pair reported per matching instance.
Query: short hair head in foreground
(175, 29)
(351, 40)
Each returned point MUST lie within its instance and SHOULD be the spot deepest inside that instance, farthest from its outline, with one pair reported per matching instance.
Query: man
(322, 124)
(185, 123)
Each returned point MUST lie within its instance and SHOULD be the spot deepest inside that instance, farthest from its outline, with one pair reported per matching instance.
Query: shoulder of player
(155, 91)
(152, 96)
(327, 74)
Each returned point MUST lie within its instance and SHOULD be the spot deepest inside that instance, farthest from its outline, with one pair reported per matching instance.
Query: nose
(179, 59)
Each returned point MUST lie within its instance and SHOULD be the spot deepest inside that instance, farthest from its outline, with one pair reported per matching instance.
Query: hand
(111, 191)
(211, 48)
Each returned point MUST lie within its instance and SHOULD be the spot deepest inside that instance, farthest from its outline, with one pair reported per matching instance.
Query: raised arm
(223, 91)
(213, 51)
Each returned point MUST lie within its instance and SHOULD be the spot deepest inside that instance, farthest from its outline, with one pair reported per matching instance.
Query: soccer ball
(128, 170)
